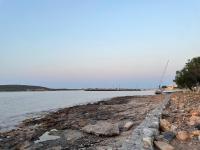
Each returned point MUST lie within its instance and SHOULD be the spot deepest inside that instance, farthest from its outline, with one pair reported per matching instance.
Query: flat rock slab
(102, 128)
(46, 137)
(163, 146)
(72, 135)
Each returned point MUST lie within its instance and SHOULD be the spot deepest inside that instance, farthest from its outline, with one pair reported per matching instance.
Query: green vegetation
(189, 76)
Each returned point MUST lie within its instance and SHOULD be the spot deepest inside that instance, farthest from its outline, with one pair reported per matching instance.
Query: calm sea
(17, 106)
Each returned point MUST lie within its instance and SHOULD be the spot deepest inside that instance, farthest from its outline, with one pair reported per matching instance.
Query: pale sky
(96, 43)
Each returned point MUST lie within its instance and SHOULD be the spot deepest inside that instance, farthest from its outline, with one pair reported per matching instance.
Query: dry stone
(102, 128)
(165, 125)
(128, 125)
(163, 146)
(183, 135)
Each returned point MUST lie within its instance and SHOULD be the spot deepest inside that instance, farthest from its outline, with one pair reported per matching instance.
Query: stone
(72, 135)
(46, 137)
(168, 136)
(147, 142)
(148, 132)
(128, 125)
(183, 135)
(165, 125)
(165, 113)
(163, 146)
(102, 128)
(173, 128)
(194, 120)
(159, 137)
(154, 124)
(195, 133)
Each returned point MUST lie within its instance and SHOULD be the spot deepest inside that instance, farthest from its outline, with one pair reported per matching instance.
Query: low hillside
(23, 88)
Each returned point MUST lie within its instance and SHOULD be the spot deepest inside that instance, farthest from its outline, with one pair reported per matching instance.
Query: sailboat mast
(163, 74)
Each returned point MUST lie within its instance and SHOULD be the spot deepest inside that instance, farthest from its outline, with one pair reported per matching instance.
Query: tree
(189, 76)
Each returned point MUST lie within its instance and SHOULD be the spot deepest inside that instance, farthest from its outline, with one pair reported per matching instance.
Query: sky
(96, 43)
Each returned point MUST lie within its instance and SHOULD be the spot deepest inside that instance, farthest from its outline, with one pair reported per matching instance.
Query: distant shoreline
(30, 88)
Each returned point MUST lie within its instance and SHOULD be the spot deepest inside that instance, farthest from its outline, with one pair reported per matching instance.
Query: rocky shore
(102, 125)
(180, 123)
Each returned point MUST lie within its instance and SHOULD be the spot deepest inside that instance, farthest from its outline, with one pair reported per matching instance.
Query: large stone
(163, 146)
(183, 135)
(102, 128)
(165, 125)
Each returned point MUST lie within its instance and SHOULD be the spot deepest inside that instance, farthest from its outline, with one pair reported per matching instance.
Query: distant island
(10, 88)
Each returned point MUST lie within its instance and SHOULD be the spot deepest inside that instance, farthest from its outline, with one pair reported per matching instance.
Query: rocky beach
(101, 125)
(180, 123)
(111, 124)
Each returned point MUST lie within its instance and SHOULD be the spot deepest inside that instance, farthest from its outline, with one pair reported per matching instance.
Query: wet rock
(163, 146)
(128, 125)
(165, 125)
(183, 135)
(102, 128)
(168, 136)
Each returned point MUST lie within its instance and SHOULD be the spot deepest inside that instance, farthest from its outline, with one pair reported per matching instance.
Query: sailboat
(160, 89)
